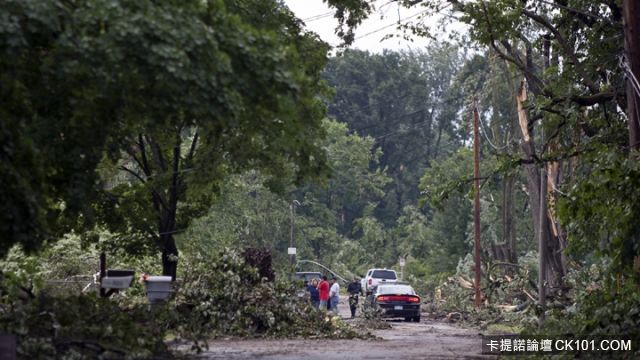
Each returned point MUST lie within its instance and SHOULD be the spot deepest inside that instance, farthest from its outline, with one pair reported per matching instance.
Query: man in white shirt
(334, 295)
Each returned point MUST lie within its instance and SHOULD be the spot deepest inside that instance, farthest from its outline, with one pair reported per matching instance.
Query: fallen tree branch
(529, 295)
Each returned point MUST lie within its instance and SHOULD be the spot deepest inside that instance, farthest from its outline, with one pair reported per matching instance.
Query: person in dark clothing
(314, 294)
(354, 289)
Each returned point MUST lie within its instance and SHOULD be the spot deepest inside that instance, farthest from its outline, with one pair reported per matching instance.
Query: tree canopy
(176, 94)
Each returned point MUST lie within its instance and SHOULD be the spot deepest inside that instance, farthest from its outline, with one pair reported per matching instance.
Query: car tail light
(407, 298)
(370, 281)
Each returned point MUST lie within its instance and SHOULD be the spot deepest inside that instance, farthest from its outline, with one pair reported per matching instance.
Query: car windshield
(396, 289)
(384, 274)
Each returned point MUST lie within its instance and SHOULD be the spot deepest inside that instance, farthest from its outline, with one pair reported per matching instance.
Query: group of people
(326, 296)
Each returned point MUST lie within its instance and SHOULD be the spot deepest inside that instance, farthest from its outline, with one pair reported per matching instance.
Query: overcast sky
(319, 19)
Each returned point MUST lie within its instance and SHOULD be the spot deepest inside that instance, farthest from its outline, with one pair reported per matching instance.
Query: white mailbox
(158, 288)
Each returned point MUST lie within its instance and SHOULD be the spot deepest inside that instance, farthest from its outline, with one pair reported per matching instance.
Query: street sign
(401, 261)
(291, 251)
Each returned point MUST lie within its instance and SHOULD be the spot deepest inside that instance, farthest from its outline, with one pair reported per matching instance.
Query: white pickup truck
(377, 276)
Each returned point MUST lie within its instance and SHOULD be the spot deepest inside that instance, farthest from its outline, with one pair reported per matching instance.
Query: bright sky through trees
(369, 36)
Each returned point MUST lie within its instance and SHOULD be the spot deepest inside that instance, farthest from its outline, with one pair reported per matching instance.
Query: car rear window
(384, 274)
(396, 289)
(308, 275)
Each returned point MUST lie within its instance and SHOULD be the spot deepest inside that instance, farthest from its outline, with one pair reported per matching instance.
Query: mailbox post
(112, 281)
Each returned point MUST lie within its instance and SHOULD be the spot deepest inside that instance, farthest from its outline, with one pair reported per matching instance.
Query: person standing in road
(334, 295)
(354, 289)
(314, 295)
(323, 293)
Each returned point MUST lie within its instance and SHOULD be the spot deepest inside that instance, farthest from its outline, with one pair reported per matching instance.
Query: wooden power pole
(542, 240)
(476, 220)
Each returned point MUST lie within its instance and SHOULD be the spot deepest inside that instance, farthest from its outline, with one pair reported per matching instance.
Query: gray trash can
(158, 288)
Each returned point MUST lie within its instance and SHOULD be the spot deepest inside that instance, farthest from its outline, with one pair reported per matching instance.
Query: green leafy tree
(405, 102)
(357, 177)
(571, 55)
(214, 89)
(58, 113)
(446, 237)
(248, 213)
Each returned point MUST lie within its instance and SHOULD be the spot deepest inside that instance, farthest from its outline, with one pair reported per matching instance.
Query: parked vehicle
(375, 277)
(396, 300)
(307, 276)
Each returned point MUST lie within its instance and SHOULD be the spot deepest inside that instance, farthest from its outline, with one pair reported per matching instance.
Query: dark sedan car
(397, 300)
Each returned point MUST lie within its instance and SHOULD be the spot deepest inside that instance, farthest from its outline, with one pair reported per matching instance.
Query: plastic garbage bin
(158, 288)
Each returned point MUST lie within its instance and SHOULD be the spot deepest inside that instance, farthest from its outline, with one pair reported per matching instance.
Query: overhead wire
(411, 127)
(318, 17)
(386, 123)
(397, 23)
(331, 13)
(560, 6)
(484, 132)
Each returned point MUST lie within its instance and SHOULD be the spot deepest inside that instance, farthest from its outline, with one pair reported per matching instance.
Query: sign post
(292, 255)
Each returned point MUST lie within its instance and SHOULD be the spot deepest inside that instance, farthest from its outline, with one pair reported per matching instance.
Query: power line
(399, 117)
(318, 17)
(484, 132)
(398, 23)
(573, 10)
(330, 13)
(412, 127)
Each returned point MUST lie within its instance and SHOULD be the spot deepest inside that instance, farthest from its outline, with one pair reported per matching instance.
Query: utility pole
(476, 180)
(542, 240)
(292, 244)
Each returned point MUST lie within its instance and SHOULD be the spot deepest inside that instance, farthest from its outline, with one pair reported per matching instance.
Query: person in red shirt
(323, 289)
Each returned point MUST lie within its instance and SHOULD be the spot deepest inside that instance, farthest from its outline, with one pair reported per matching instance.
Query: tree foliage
(571, 54)
(405, 102)
(247, 213)
(175, 94)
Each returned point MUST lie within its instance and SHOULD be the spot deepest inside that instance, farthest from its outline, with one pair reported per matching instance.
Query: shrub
(77, 326)
(223, 296)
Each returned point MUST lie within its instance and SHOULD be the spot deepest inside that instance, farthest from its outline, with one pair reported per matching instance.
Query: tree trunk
(631, 17)
(168, 218)
(508, 228)
(632, 54)
(553, 258)
(554, 178)
(169, 256)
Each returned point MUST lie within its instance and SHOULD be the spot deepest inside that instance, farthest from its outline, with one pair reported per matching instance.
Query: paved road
(425, 340)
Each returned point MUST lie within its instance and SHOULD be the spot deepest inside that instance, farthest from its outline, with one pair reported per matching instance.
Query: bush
(77, 326)
(600, 305)
(223, 296)
(219, 295)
